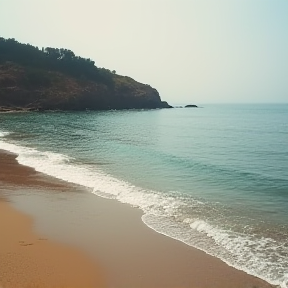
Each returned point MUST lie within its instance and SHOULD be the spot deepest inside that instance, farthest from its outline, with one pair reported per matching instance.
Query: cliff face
(27, 88)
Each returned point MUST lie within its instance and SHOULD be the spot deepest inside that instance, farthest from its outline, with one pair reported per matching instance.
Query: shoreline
(114, 235)
(28, 258)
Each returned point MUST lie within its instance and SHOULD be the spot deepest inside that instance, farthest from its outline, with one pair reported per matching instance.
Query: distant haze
(191, 51)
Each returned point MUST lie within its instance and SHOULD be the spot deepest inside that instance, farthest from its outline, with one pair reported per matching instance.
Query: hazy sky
(191, 51)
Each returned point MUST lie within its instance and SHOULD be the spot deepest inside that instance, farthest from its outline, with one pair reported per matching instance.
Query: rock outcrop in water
(191, 106)
(56, 79)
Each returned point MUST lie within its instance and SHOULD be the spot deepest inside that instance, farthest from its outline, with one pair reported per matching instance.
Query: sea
(214, 177)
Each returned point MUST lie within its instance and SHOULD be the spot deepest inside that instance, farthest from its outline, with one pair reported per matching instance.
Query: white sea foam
(240, 251)
(3, 134)
(284, 283)
(104, 185)
(161, 213)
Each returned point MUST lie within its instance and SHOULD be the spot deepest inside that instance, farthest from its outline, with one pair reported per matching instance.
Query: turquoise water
(215, 177)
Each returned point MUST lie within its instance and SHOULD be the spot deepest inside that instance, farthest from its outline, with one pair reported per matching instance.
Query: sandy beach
(54, 234)
(26, 258)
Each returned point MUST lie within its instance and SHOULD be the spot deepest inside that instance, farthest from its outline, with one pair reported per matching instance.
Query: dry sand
(131, 254)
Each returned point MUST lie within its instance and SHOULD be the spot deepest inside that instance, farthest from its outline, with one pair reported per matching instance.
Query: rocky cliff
(22, 88)
(56, 79)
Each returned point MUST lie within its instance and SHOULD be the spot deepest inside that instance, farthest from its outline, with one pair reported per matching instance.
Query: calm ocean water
(215, 178)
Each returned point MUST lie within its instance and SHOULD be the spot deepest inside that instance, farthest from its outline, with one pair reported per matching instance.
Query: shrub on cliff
(53, 59)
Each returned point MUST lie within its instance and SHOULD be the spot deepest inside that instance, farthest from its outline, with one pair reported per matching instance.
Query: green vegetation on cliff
(53, 78)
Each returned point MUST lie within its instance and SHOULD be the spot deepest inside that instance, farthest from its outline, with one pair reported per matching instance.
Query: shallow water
(214, 177)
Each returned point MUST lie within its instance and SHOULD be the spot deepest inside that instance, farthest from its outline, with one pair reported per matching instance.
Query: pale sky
(191, 51)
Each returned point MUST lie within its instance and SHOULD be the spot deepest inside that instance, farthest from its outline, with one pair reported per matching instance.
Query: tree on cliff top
(54, 59)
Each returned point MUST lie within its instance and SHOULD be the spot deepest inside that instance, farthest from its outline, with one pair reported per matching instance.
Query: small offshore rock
(191, 106)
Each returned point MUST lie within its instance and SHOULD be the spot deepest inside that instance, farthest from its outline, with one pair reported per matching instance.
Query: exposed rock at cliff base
(166, 105)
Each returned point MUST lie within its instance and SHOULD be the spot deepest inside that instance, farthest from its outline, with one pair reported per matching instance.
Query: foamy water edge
(158, 205)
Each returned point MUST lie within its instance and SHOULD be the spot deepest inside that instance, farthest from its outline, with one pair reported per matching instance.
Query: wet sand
(28, 259)
(107, 232)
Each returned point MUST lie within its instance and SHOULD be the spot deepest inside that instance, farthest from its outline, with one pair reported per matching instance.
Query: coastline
(112, 233)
